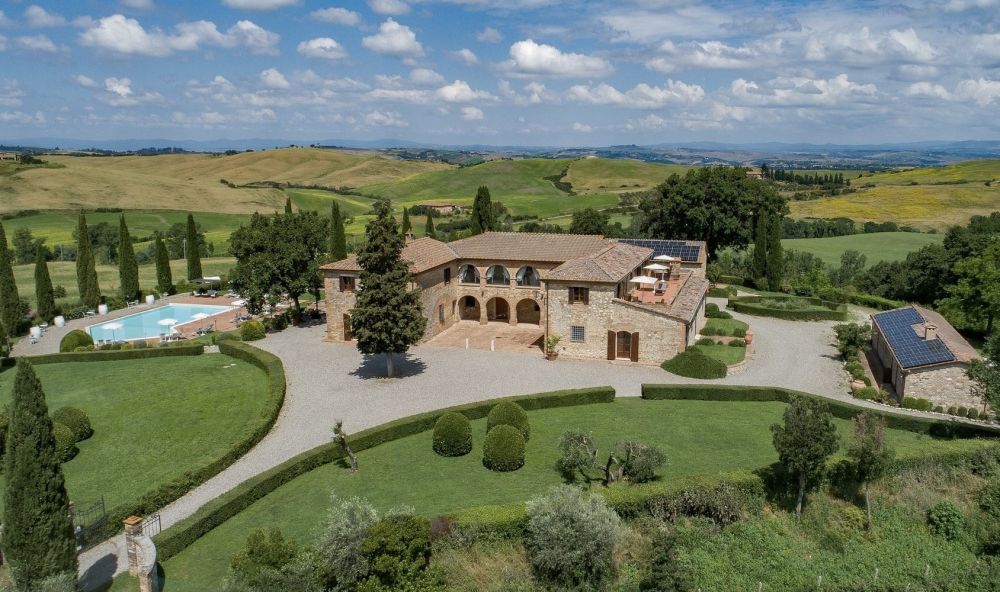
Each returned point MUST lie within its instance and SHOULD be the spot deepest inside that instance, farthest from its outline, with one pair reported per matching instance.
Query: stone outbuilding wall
(946, 386)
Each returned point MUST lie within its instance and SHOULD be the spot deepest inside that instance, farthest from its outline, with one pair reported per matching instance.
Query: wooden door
(624, 346)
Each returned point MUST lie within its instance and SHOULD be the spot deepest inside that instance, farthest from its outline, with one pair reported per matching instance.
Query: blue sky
(535, 72)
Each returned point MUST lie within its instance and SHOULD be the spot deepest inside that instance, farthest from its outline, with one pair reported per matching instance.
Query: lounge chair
(90, 313)
(212, 293)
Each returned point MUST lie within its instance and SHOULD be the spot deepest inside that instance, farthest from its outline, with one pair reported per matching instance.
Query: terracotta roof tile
(422, 254)
(528, 246)
(611, 264)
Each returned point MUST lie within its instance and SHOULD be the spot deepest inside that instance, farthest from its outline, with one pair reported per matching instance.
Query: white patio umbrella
(240, 302)
(656, 267)
(166, 322)
(199, 316)
(664, 258)
(112, 327)
(643, 279)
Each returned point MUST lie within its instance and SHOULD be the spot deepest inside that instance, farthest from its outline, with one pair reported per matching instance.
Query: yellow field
(191, 182)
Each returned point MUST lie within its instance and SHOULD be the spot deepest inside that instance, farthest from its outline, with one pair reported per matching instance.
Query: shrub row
(841, 409)
(868, 300)
(122, 354)
(918, 404)
(168, 492)
(752, 305)
(718, 292)
(179, 536)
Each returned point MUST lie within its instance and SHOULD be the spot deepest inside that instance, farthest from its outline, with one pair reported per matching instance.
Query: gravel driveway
(330, 381)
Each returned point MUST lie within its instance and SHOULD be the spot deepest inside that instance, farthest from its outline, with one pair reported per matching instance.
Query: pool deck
(49, 343)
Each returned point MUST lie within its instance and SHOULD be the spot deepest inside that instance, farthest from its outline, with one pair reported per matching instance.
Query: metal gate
(151, 525)
(88, 520)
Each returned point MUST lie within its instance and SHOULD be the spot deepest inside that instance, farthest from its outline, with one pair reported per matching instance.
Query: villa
(637, 300)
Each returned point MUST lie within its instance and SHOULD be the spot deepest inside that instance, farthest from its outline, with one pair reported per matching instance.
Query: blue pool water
(145, 325)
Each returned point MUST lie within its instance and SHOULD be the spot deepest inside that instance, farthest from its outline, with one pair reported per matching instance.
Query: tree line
(788, 176)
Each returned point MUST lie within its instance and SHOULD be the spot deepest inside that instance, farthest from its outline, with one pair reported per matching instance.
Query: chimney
(409, 236)
(930, 331)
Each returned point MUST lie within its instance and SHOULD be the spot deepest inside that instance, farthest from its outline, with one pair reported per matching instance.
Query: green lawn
(876, 246)
(63, 273)
(153, 419)
(726, 354)
(699, 437)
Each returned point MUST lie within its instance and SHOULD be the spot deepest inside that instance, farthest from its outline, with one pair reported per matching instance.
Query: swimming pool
(154, 322)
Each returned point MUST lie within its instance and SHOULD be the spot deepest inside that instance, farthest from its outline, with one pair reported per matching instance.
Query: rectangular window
(447, 275)
(577, 334)
(579, 295)
(346, 283)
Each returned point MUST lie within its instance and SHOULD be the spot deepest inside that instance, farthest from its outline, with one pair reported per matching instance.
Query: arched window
(528, 276)
(497, 275)
(468, 274)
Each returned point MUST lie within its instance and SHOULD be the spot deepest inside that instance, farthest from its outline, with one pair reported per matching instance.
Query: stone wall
(942, 385)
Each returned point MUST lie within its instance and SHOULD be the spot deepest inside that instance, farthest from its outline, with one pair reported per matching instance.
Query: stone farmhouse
(606, 299)
(919, 354)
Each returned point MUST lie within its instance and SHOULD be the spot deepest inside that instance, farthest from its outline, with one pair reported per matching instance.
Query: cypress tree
(86, 271)
(43, 288)
(194, 250)
(288, 205)
(164, 277)
(128, 268)
(387, 317)
(338, 239)
(407, 227)
(775, 258)
(429, 228)
(38, 536)
(483, 219)
(4, 342)
(760, 249)
(10, 301)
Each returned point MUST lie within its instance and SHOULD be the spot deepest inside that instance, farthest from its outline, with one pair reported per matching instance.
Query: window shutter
(635, 347)
(586, 295)
(611, 345)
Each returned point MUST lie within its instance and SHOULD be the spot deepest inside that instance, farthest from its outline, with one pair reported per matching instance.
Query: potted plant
(551, 342)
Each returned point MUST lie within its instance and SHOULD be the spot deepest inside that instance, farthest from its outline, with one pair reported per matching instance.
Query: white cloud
(4, 21)
(393, 7)
(582, 127)
(36, 16)
(39, 43)
(459, 91)
(647, 21)
(309, 78)
(862, 47)
(916, 71)
(803, 92)
(384, 119)
(21, 117)
(714, 55)
(472, 114)
(337, 16)
(466, 55)
(272, 78)
(927, 89)
(122, 35)
(641, 96)
(85, 81)
(118, 86)
(322, 47)
(489, 35)
(534, 93)
(10, 93)
(259, 4)
(138, 4)
(119, 93)
(987, 47)
(426, 77)
(960, 5)
(394, 39)
(538, 59)
(981, 91)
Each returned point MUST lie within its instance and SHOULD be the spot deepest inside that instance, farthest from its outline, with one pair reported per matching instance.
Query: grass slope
(877, 246)
(153, 419)
(602, 175)
(699, 437)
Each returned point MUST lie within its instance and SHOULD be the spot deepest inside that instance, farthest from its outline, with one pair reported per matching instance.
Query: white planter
(150, 299)
(60, 321)
(102, 309)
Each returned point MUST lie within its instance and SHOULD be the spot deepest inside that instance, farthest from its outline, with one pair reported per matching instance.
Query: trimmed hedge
(176, 538)
(76, 420)
(511, 414)
(74, 339)
(252, 330)
(752, 305)
(452, 435)
(841, 409)
(122, 354)
(65, 442)
(503, 449)
(694, 363)
(721, 292)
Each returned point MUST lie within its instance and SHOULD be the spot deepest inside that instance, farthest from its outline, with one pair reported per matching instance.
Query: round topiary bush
(74, 339)
(452, 435)
(695, 364)
(252, 330)
(711, 307)
(510, 414)
(504, 449)
(65, 442)
(76, 420)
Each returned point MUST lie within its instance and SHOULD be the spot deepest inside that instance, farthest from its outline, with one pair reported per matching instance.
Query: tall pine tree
(429, 227)
(387, 318)
(38, 539)
(86, 270)
(407, 227)
(128, 268)
(43, 288)
(338, 238)
(164, 276)
(775, 258)
(10, 301)
(760, 250)
(483, 218)
(193, 247)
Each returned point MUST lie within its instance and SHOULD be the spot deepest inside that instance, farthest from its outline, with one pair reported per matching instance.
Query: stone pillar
(133, 528)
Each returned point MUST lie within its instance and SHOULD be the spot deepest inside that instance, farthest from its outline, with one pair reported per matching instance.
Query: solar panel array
(911, 348)
(673, 248)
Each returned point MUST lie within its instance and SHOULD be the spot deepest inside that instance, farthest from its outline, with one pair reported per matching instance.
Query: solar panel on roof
(673, 248)
(911, 348)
